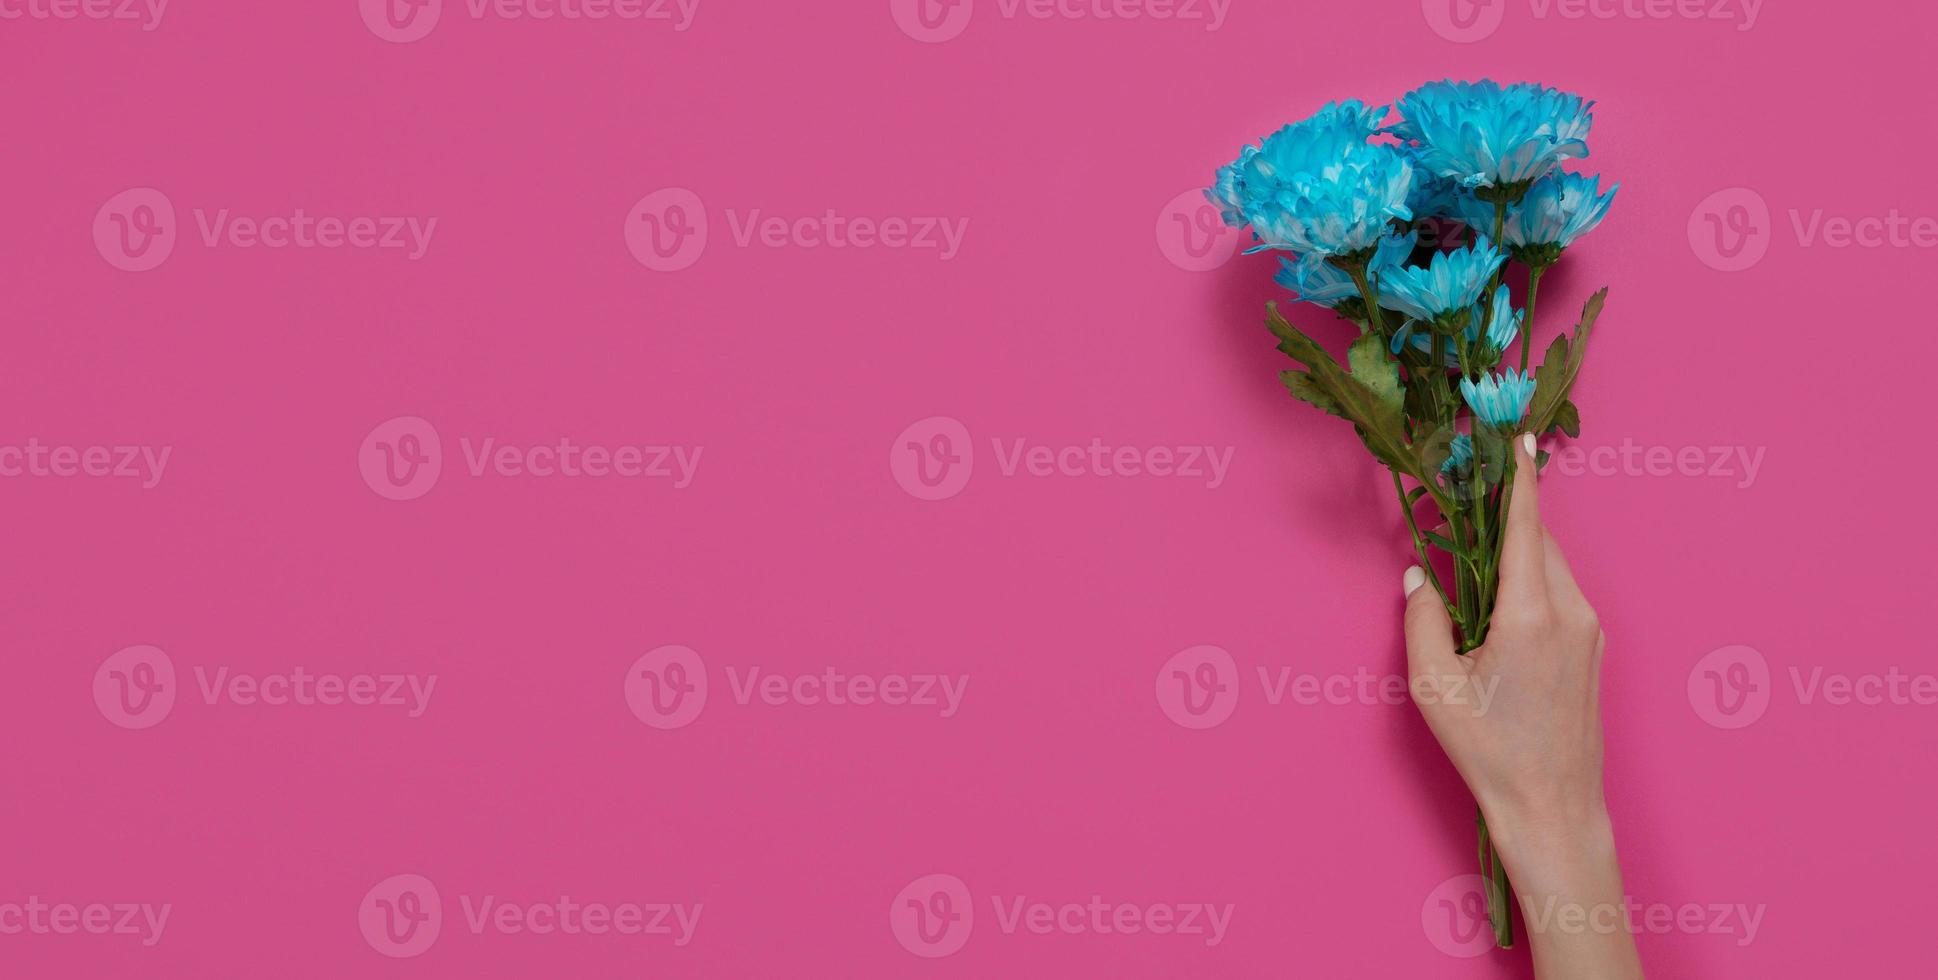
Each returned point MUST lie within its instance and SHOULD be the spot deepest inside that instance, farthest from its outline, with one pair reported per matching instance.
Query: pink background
(795, 549)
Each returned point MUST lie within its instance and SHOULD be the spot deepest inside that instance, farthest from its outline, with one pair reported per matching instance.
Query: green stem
(1500, 893)
(1420, 544)
(1357, 270)
(1527, 315)
(1438, 375)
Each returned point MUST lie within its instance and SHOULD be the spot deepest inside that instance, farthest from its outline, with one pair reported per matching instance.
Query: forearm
(1565, 872)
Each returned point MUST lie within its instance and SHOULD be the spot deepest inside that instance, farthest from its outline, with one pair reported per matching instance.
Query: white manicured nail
(1527, 443)
(1412, 580)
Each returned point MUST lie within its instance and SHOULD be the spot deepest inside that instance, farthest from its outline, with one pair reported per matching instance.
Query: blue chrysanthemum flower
(1432, 195)
(1317, 187)
(1460, 454)
(1336, 124)
(1316, 280)
(1557, 210)
(1451, 281)
(1500, 400)
(1483, 134)
(1503, 326)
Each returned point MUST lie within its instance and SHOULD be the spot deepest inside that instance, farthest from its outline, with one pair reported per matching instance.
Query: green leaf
(1434, 447)
(1568, 420)
(1555, 378)
(1491, 455)
(1379, 422)
(1375, 370)
(1444, 543)
(1302, 387)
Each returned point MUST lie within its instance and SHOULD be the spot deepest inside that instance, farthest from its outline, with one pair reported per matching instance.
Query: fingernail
(1414, 578)
(1527, 443)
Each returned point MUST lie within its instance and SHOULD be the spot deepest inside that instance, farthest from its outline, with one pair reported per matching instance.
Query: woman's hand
(1521, 719)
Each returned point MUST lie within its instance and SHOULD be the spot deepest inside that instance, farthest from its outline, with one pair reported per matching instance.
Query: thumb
(1429, 632)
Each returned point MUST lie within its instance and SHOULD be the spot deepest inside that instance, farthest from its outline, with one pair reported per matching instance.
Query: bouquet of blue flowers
(1366, 215)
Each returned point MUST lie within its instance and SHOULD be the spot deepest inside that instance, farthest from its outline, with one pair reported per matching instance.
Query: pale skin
(1533, 757)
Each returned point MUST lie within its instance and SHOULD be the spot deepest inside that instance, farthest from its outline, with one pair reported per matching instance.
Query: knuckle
(1587, 622)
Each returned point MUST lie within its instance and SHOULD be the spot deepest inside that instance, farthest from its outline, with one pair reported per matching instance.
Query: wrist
(1549, 842)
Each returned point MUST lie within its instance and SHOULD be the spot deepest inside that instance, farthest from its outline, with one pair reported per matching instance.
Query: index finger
(1523, 556)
